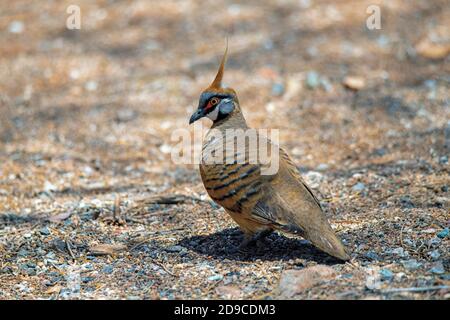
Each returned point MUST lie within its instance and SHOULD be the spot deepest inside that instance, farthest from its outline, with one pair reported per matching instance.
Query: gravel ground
(92, 207)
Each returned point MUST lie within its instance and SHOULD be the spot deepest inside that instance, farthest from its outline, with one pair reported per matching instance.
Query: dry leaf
(106, 249)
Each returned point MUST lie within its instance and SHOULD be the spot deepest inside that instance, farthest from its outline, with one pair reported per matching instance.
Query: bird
(259, 203)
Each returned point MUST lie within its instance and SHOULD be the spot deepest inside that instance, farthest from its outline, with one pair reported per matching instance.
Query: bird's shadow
(220, 245)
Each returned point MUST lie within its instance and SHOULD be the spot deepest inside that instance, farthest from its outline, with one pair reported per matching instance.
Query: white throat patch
(213, 114)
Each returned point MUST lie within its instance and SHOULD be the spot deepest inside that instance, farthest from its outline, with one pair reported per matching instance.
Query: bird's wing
(292, 207)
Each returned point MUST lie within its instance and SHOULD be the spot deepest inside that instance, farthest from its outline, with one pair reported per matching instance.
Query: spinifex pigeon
(259, 203)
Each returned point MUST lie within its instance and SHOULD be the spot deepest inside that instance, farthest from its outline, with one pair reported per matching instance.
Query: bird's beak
(196, 115)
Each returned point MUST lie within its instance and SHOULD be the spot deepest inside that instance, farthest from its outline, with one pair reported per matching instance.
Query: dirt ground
(92, 207)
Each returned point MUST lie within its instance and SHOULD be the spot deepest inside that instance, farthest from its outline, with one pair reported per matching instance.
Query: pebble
(293, 282)
(383, 41)
(444, 233)
(434, 241)
(50, 255)
(354, 83)
(22, 253)
(175, 248)
(411, 264)
(44, 231)
(372, 255)
(386, 274)
(373, 282)
(16, 27)
(399, 276)
(314, 178)
(229, 292)
(108, 269)
(400, 252)
(125, 115)
(443, 160)
(326, 84)
(359, 187)
(438, 268)
(277, 89)
(91, 85)
(406, 202)
(216, 277)
(322, 167)
(312, 79)
(434, 254)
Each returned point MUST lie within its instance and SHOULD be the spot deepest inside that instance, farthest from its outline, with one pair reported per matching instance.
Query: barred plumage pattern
(281, 201)
(258, 203)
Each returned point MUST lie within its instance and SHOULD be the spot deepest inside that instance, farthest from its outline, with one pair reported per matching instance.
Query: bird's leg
(260, 238)
(246, 242)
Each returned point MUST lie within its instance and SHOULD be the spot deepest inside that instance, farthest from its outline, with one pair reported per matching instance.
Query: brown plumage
(258, 203)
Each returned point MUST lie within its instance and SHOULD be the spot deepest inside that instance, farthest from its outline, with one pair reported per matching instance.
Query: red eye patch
(209, 105)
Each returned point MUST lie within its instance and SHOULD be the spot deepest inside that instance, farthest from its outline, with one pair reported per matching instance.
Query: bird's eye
(214, 101)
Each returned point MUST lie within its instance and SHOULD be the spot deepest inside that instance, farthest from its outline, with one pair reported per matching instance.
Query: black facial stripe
(206, 96)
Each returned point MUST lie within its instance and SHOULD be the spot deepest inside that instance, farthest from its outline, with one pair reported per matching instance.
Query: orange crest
(217, 83)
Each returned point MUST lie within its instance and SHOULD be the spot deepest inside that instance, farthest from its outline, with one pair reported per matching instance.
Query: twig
(164, 268)
(138, 244)
(70, 250)
(416, 289)
(117, 219)
(401, 235)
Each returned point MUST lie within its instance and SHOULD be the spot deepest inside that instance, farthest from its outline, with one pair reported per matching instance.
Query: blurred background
(87, 114)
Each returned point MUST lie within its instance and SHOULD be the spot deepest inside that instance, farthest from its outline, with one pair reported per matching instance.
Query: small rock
(91, 85)
(50, 255)
(16, 27)
(443, 160)
(434, 254)
(216, 277)
(411, 264)
(438, 268)
(399, 276)
(371, 255)
(386, 274)
(359, 187)
(313, 178)
(400, 252)
(406, 202)
(409, 242)
(108, 269)
(312, 79)
(444, 233)
(431, 50)
(434, 241)
(174, 248)
(165, 148)
(44, 231)
(322, 167)
(379, 152)
(49, 187)
(373, 282)
(87, 279)
(293, 282)
(22, 253)
(354, 83)
(125, 115)
(277, 89)
(229, 292)
(326, 84)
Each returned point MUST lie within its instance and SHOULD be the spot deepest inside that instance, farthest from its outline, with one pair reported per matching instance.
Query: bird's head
(216, 102)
